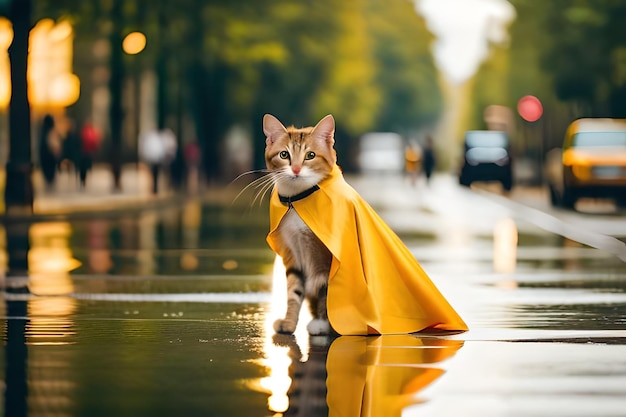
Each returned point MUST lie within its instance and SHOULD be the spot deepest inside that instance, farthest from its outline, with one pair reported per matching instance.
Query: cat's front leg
(317, 303)
(318, 327)
(295, 296)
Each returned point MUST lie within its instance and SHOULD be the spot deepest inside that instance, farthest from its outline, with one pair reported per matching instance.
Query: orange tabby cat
(299, 159)
(357, 274)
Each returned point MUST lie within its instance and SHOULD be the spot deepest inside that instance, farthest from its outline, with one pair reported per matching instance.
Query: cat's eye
(309, 155)
(284, 154)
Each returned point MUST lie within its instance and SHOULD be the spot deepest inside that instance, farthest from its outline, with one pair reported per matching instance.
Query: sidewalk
(98, 195)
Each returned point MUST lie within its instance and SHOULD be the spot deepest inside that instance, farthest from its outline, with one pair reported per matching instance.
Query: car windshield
(593, 139)
(486, 139)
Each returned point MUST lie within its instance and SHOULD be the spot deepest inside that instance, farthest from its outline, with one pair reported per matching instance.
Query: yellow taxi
(592, 162)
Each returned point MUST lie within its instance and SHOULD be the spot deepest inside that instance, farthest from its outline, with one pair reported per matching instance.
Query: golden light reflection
(50, 321)
(134, 43)
(279, 357)
(148, 242)
(50, 252)
(279, 307)
(191, 220)
(50, 260)
(230, 265)
(189, 261)
(505, 239)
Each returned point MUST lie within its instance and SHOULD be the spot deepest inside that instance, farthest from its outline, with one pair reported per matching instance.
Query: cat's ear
(324, 130)
(273, 128)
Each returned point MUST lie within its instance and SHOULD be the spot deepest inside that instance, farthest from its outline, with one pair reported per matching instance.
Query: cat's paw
(285, 326)
(318, 327)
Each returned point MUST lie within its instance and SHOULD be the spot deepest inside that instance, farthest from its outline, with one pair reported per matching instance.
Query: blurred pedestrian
(157, 149)
(50, 150)
(90, 138)
(429, 158)
(71, 148)
(192, 160)
(412, 159)
(151, 152)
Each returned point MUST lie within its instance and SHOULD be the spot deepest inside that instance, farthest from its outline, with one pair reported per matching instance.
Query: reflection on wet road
(168, 311)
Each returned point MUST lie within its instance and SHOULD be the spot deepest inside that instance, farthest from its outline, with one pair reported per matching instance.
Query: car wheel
(569, 198)
(507, 184)
(554, 197)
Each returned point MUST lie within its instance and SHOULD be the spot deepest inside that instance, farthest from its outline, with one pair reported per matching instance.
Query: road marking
(553, 224)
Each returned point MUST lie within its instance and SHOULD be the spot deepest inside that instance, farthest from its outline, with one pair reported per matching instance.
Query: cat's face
(300, 158)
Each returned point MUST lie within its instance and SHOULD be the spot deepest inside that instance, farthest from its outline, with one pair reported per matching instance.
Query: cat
(298, 160)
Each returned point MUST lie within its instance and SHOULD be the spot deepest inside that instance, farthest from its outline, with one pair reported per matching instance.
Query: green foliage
(406, 75)
(348, 91)
(581, 58)
(228, 62)
(569, 53)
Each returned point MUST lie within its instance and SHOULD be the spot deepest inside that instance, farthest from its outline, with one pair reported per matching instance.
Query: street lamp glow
(134, 43)
(6, 37)
(6, 33)
(52, 83)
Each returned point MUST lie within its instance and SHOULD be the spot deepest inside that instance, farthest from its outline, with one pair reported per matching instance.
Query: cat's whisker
(254, 171)
(258, 183)
(254, 184)
(263, 188)
(267, 188)
(276, 176)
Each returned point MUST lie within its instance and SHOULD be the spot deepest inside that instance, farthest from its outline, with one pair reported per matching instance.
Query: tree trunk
(116, 81)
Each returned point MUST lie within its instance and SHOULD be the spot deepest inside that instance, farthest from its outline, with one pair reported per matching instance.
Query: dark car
(487, 157)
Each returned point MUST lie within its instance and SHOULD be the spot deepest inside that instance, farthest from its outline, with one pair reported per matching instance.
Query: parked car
(591, 163)
(381, 153)
(487, 157)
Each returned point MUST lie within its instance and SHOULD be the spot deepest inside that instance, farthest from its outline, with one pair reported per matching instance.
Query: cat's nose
(296, 169)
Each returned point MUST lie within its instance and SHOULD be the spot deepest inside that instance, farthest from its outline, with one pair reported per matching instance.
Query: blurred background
(144, 306)
(206, 72)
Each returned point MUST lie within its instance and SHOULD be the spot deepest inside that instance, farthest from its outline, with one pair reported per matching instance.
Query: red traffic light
(530, 108)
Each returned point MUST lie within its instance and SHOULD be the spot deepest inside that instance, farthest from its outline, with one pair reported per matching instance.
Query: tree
(582, 54)
(227, 63)
(405, 72)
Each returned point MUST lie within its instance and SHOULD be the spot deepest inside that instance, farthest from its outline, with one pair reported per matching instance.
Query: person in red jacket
(90, 138)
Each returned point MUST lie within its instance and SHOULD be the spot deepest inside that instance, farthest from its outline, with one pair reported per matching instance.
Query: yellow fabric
(375, 284)
(379, 376)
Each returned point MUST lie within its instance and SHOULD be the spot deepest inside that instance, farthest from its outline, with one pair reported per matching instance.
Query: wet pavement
(164, 307)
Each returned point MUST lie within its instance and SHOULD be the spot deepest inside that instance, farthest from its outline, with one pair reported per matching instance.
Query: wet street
(167, 310)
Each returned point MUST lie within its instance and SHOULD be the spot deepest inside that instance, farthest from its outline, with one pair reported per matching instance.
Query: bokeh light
(52, 83)
(134, 43)
(6, 37)
(530, 108)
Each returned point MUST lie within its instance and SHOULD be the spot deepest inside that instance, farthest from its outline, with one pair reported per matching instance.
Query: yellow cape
(375, 284)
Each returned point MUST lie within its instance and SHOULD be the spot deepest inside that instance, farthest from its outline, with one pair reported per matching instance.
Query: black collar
(297, 197)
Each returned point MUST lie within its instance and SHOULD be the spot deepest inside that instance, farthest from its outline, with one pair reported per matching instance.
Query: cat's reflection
(307, 393)
(362, 376)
